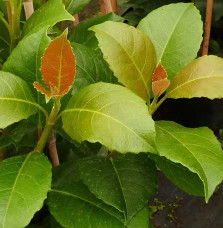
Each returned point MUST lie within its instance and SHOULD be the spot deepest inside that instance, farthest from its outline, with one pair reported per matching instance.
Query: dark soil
(185, 211)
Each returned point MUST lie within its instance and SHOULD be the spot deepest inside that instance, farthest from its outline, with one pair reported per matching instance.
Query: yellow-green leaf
(201, 78)
(130, 54)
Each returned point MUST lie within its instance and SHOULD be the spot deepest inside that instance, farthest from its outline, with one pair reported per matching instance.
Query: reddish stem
(106, 6)
(207, 27)
(76, 22)
(28, 7)
(53, 150)
(114, 6)
(9, 12)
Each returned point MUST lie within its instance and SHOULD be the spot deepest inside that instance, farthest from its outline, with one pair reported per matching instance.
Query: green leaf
(176, 32)
(25, 181)
(114, 110)
(81, 34)
(74, 206)
(195, 148)
(130, 54)
(141, 220)
(25, 60)
(182, 177)
(91, 68)
(202, 78)
(16, 100)
(13, 135)
(75, 6)
(126, 182)
(43, 17)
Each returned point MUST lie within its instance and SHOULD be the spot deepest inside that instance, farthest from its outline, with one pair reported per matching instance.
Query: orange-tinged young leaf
(160, 81)
(41, 89)
(159, 73)
(58, 67)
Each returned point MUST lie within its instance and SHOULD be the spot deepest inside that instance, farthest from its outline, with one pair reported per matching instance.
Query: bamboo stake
(207, 27)
(114, 6)
(76, 22)
(53, 150)
(28, 7)
(106, 6)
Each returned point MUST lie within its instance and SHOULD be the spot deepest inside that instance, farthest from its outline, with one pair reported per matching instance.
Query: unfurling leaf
(160, 81)
(58, 68)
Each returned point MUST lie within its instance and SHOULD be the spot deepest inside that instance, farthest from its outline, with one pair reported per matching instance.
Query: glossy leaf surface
(114, 110)
(176, 32)
(25, 60)
(73, 205)
(195, 148)
(16, 100)
(58, 67)
(125, 182)
(25, 181)
(43, 17)
(81, 33)
(201, 78)
(91, 68)
(130, 54)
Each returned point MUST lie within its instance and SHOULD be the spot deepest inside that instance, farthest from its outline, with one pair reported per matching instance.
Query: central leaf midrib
(171, 34)
(119, 181)
(192, 81)
(103, 114)
(85, 200)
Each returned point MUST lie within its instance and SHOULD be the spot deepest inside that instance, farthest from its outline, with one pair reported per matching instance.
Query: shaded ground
(184, 211)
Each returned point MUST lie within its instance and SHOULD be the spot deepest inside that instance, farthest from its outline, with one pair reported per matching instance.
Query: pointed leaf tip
(58, 67)
(160, 82)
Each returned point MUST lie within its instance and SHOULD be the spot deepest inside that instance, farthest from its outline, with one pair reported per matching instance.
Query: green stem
(155, 105)
(50, 122)
(16, 7)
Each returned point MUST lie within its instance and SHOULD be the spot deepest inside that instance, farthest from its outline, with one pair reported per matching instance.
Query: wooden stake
(28, 7)
(207, 27)
(76, 19)
(53, 150)
(114, 6)
(106, 6)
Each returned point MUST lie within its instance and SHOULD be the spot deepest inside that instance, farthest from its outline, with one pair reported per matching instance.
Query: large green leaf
(111, 115)
(91, 68)
(202, 78)
(125, 182)
(75, 6)
(46, 16)
(16, 100)
(130, 54)
(179, 175)
(197, 149)
(176, 32)
(74, 206)
(24, 183)
(81, 34)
